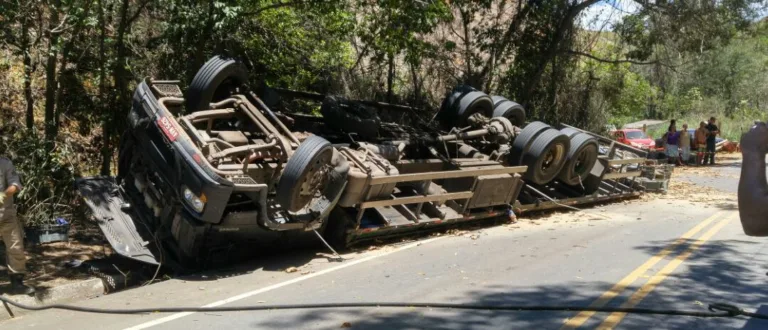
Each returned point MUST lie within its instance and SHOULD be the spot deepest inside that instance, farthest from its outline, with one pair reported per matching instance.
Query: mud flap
(106, 201)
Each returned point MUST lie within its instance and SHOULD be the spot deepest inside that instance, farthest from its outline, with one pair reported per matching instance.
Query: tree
(20, 27)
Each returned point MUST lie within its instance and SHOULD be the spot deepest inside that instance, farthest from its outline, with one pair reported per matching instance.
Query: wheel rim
(554, 154)
(581, 162)
(314, 178)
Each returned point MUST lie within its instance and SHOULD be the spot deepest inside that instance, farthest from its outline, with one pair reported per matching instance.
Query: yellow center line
(612, 320)
(606, 297)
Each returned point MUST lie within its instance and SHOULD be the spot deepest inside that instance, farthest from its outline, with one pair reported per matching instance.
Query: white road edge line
(280, 285)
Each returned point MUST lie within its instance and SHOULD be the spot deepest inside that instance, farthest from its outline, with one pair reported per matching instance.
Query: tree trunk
(103, 100)
(565, 26)
(50, 76)
(25, 49)
(65, 57)
(465, 20)
(416, 85)
(117, 97)
(390, 77)
(500, 48)
(199, 54)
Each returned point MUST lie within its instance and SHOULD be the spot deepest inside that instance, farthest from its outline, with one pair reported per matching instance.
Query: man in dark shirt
(713, 131)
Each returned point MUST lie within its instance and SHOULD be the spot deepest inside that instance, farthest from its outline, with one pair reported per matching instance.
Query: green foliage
(390, 27)
(299, 49)
(47, 177)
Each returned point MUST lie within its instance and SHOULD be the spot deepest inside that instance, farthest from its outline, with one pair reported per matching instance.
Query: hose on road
(715, 310)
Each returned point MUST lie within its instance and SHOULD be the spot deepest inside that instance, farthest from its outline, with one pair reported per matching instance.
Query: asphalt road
(663, 253)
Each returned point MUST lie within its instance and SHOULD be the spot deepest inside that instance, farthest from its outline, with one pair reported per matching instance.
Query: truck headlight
(196, 202)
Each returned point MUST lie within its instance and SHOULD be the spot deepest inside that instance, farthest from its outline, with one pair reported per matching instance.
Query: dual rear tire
(567, 155)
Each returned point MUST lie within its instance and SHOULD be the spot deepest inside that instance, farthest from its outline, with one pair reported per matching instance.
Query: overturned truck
(214, 174)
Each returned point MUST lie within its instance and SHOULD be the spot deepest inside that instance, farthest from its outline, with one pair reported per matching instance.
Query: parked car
(634, 137)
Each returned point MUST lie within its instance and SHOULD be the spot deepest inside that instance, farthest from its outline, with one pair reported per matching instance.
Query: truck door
(118, 222)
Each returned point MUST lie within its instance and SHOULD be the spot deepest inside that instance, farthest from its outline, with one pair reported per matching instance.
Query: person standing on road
(685, 145)
(10, 228)
(700, 140)
(672, 140)
(713, 131)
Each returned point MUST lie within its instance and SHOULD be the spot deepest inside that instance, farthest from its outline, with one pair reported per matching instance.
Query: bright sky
(602, 15)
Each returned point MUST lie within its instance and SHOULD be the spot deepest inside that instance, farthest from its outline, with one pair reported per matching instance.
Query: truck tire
(305, 173)
(460, 104)
(336, 226)
(580, 159)
(214, 82)
(546, 156)
(591, 184)
(523, 141)
(502, 107)
(570, 132)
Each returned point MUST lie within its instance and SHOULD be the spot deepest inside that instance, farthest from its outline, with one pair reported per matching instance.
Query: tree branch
(499, 48)
(138, 12)
(602, 60)
(60, 28)
(273, 6)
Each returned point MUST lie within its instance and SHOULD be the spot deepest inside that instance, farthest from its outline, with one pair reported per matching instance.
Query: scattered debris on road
(291, 270)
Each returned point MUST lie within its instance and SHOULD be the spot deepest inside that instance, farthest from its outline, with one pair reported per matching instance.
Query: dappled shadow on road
(731, 271)
(720, 271)
(551, 295)
(391, 318)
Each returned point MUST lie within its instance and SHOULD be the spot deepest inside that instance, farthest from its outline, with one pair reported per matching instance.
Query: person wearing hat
(10, 228)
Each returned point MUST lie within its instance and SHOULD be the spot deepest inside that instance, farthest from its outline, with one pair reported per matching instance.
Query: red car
(634, 137)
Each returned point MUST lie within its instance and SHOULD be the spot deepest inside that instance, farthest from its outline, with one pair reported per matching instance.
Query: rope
(715, 310)
(336, 256)
(551, 199)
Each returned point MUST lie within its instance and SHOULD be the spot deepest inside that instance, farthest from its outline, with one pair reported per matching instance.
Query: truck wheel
(523, 141)
(502, 107)
(215, 81)
(591, 184)
(546, 156)
(461, 103)
(306, 173)
(337, 224)
(580, 159)
(570, 132)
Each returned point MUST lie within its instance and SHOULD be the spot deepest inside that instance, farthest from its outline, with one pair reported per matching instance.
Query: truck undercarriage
(215, 175)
